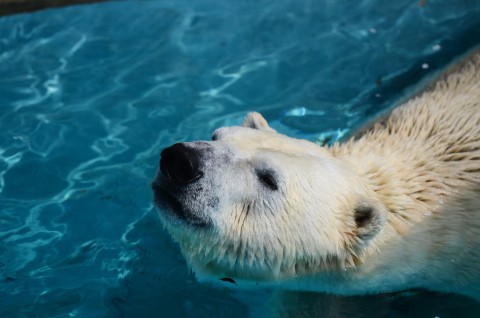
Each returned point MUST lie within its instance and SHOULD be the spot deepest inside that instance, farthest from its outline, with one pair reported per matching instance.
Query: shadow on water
(159, 284)
(415, 303)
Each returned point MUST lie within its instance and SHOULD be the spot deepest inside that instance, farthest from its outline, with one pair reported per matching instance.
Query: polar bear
(395, 207)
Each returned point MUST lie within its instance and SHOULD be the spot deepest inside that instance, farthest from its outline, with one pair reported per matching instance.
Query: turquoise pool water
(89, 95)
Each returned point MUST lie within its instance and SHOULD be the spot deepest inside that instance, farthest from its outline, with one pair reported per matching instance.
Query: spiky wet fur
(419, 167)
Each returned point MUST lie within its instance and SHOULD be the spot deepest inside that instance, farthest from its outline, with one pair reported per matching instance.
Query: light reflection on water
(89, 95)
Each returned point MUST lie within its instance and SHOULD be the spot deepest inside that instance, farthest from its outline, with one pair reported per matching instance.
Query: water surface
(89, 95)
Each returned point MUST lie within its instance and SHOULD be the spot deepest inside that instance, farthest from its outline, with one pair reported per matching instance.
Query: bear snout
(180, 164)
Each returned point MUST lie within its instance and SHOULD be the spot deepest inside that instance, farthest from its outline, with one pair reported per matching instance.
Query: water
(89, 95)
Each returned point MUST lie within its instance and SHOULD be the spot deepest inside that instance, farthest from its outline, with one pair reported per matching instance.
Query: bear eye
(268, 179)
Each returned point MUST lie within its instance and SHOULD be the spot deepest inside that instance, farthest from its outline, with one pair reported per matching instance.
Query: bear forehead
(244, 138)
(243, 134)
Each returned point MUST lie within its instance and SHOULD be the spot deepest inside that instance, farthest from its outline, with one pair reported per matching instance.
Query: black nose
(180, 164)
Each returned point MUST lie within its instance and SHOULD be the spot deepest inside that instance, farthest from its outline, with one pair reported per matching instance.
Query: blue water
(89, 95)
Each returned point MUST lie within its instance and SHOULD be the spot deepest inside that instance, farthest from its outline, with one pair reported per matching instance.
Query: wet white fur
(418, 170)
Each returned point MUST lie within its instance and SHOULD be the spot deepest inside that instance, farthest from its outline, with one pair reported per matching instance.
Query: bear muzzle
(178, 183)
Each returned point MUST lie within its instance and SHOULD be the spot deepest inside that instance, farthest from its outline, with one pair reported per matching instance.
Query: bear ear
(256, 121)
(370, 218)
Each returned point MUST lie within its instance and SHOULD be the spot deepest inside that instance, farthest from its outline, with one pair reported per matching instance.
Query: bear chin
(171, 208)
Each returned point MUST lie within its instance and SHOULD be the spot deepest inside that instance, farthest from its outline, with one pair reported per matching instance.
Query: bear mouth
(169, 205)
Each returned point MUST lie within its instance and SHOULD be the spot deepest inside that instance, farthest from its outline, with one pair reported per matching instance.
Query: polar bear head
(257, 206)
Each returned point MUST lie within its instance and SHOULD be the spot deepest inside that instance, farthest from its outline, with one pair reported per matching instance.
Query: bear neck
(416, 186)
(422, 161)
(420, 156)
(403, 181)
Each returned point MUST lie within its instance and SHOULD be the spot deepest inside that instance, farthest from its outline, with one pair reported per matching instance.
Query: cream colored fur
(396, 207)
(423, 163)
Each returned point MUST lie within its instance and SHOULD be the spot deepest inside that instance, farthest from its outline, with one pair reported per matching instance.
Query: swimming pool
(91, 94)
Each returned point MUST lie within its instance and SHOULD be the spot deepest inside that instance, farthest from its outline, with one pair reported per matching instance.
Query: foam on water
(89, 95)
